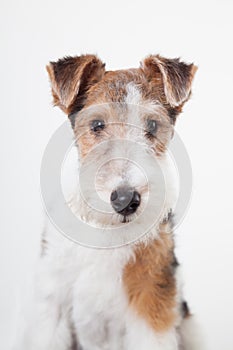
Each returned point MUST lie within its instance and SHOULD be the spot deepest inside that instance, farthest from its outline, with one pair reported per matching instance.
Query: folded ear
(71, 77)
(177, 77)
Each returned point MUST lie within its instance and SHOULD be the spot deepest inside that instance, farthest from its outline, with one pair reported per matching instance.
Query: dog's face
(122, 121)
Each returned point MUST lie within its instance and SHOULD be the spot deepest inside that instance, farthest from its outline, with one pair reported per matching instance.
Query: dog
(127, 296)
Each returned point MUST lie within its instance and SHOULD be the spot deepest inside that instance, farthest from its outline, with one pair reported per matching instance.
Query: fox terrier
(127, 297)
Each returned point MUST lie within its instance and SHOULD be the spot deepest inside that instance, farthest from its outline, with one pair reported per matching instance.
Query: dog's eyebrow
(151, 107)
(89, 111)
(157, 111)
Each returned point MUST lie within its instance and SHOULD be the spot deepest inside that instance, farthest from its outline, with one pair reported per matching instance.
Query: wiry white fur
(191, 335)
(82, 288)
(140, 336)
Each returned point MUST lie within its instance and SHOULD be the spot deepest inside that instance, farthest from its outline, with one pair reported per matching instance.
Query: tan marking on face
(160, 141)
(113, 117)
(110, 94)
(150, 283)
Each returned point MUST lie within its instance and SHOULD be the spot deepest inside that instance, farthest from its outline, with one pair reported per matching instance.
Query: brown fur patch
(150, 283)
(112, 88)
(71, 77)
(177, 77)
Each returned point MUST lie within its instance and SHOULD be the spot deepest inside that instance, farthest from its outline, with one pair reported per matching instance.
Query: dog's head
(122, 120)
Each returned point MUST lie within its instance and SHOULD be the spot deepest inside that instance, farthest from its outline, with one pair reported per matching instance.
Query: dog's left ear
(177, 77)
(71, 77)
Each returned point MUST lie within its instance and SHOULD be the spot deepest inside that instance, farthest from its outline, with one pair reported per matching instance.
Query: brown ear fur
(71, 77)
(177, 77)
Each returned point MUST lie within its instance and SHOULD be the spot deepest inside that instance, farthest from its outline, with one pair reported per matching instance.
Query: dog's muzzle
(125, 200)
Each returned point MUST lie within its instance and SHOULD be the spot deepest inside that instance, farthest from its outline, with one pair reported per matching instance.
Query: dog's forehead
(126, 86)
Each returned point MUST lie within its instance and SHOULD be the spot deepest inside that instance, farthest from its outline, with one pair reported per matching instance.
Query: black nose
(125, 201)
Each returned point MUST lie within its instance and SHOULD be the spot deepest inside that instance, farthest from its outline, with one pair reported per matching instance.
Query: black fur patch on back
(185, 309)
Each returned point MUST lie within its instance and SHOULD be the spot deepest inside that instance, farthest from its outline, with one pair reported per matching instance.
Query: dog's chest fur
(99, 298)
(89, 282)
(112, 289)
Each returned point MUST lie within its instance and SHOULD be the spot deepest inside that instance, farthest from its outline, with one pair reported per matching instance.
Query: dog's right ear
(71, 77)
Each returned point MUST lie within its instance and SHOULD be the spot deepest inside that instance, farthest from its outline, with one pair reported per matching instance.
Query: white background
(121, 33)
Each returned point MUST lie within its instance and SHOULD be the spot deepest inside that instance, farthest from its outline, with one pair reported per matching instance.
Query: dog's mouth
(125, 219)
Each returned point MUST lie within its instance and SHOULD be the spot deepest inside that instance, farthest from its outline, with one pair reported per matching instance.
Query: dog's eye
(152, 127)
(97, 125)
